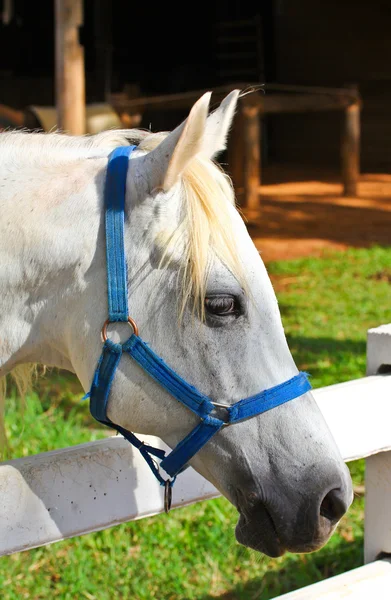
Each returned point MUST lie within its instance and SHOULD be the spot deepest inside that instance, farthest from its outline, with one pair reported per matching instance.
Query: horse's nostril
(334, 505)
(252, 499)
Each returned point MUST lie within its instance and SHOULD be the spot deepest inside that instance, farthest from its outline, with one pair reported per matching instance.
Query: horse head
(202, 299)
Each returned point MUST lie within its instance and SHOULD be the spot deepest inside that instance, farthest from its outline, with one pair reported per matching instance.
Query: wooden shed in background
(334, 43)
(313, 43)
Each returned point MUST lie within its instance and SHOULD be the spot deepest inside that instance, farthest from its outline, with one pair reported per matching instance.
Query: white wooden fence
(65, 493)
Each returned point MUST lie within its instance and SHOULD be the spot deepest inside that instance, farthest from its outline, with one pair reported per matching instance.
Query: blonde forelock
(206, 231)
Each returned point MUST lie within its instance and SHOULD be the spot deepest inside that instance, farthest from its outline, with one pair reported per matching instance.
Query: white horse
(200, 295)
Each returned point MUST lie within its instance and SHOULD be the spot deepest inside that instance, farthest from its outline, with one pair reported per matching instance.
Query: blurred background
(309, 155)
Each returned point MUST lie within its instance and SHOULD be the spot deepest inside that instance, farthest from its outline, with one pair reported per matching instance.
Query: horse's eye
(221, 306)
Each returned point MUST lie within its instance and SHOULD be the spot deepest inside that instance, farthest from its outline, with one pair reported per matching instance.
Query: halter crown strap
(114, 196)
(117, 298)
(154, 365)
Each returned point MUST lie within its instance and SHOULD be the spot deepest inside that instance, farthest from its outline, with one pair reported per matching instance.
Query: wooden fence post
(350, 149)
(235, 153)
(70, 77)
(252, 154)
(377, 538)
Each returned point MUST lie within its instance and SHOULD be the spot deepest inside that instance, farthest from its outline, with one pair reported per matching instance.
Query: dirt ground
(302, 213)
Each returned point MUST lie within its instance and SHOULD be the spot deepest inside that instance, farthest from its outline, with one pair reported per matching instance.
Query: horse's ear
(218, 125)
(165, 164)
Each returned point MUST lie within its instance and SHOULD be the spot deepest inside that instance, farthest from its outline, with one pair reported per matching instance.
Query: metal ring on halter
(220, 405)
(167, 495)
(131, 322)
(226, 407)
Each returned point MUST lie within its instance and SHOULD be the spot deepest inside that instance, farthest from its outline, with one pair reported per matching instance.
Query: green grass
(327, 305)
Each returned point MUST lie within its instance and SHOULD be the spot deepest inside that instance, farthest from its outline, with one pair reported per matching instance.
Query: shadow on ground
(302, 212)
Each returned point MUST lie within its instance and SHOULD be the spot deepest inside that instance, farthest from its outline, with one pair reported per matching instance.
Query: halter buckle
(130, 321)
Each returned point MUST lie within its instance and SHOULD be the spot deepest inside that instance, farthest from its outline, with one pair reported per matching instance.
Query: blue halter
(208, 411)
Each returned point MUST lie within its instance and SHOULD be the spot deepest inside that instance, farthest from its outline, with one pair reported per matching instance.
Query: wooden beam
(252, 155)
(313, 89)
(236, 152)
(70, 77)
(268, 103)
(182, 100)
(303, 103)
(350, 150)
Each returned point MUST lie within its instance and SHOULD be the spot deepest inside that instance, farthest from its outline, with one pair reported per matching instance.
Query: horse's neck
(48, 229)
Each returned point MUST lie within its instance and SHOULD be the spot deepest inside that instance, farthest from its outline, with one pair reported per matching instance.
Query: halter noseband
(208, 411)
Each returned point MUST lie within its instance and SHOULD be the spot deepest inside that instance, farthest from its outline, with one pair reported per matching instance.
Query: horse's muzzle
(273, 527)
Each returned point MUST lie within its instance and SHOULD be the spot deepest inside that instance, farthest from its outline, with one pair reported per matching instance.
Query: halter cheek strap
(208, 411)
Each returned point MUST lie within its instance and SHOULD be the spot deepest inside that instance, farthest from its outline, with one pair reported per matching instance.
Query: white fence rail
(365, 583)
(60, 494)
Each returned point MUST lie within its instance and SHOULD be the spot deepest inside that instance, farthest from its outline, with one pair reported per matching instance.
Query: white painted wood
(377, 506)
(358, 413)
(378, 348)
(64, 493)
(93, 486)
(372, 582)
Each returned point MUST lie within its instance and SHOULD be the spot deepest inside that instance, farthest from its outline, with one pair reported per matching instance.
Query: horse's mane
(206, 230)
(39, 147)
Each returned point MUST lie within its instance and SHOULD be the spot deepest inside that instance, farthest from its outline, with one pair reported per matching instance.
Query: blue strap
(117, 294)
(166, 377)
(190, 445)
(268, 399)
(250, 407)
(103, 378)
(114, 196)
(185, 393)
(188, 395)
(200, 404)
(99, 398)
